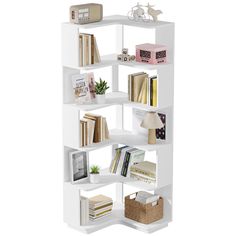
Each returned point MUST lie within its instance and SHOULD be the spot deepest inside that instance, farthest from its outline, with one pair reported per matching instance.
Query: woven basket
(143, 213)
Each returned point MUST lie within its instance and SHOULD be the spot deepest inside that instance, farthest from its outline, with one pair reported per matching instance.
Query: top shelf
(122, 20)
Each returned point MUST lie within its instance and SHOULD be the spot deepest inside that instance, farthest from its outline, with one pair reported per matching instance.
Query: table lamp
(152, 122)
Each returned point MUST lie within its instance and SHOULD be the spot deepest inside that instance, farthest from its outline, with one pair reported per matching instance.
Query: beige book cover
(80, 51)
(145, 167)
(97, 57)
(98, 200)
(137, 84)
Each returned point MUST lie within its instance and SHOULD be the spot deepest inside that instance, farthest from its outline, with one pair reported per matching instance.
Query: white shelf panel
(122, 20)
(133, 140)
(106, 178)
(114, 98)
(117, 217)
(111, 59)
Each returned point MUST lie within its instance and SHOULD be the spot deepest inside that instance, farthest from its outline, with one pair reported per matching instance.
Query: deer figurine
(153, 13)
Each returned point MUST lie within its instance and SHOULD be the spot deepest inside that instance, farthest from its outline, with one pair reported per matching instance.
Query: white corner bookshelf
(72, 113)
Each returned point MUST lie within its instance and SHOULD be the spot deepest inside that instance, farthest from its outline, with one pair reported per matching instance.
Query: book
(135, 158)
(89, 129)
(88, 50)
(153, 94)
(132, 157)
(121, 159)
(84, 212)
(145, 197)
(137, 85)
(99, 201)
(81, 88)
(97, 128)
(143, 178)
(145, 168)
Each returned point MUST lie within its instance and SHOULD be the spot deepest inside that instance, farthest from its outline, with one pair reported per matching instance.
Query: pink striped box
(151, 53)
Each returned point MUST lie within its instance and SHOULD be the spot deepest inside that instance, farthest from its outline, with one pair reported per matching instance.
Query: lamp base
(152, 136)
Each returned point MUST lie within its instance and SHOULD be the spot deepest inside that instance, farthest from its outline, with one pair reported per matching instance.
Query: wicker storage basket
(143, 213)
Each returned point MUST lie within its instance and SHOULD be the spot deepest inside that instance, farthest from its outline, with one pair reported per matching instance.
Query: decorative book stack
(144, 171)
(93, 129)
(84, 212)
(142, 88)
(88, 50)
(99, 206)
(124, 158)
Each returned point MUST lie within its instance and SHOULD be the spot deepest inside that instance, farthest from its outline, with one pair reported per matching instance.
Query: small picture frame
(78, 166)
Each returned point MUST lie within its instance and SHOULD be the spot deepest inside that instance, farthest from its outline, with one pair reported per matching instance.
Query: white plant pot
(100, 98)
(94, 178)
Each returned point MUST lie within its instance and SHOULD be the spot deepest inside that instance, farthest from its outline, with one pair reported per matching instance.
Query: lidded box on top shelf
(151, 53)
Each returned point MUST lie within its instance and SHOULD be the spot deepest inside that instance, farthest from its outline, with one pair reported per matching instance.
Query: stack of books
(142, 88)
(88, 50)
(144, 171)
(84, 210)
(145, 197)
(99, 206)
(124, 158)
(93, 129)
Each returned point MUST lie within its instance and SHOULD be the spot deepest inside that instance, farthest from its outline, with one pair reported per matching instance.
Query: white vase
(94, 178)
(100, 98)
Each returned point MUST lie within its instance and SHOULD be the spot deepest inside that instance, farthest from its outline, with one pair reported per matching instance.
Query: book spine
(151, 91)
(92, 49)
(117, 160)
(154, 93)
(125, 164)
(80, 50)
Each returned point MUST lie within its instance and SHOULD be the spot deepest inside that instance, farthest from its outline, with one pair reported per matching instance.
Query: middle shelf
(106, 178)
(118, 136)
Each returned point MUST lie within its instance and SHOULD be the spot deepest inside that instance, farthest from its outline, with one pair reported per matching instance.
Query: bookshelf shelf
(121, 20)
(111, 60)
(136, 137)
(117, 217)
(106, 178)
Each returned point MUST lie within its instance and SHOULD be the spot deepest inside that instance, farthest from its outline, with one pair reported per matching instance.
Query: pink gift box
(151, 53)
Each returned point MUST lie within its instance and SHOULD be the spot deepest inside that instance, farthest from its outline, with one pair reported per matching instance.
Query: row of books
(93, 129)
(88, 50)
(124, 158)
(143, 89)
(144, 171)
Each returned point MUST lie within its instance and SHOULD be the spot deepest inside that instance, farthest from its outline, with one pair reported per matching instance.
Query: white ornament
(153, 13)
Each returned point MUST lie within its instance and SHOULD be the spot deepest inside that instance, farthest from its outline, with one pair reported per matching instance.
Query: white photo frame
(79, 167)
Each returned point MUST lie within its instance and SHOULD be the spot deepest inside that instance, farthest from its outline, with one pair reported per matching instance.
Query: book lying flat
(145, 167)
(99, 200)
(145, 197)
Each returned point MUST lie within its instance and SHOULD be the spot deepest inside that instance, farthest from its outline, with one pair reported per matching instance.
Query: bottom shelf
(117, 217)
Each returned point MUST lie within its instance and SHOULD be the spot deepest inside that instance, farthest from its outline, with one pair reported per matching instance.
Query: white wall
(30, 127)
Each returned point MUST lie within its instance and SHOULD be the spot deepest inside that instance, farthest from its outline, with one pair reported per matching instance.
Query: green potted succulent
(94, 174)
(100, 89)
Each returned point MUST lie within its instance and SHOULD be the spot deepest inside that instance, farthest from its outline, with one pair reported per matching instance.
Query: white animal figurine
(138, 11)
(153, 13)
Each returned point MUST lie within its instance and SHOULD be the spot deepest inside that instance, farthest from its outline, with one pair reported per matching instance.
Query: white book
(96, 52)
(89, 50)
(84, 210)
(135, 157)
(122, 156)
(84, 49)
(145, 197)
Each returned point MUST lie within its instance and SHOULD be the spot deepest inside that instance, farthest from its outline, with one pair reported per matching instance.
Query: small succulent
(101, 87)
(94, 169)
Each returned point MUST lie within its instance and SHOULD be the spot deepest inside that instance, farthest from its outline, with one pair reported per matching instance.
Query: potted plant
(100, 89)
(94, 174)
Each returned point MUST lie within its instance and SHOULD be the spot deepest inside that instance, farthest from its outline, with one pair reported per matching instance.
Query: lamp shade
(152, 121)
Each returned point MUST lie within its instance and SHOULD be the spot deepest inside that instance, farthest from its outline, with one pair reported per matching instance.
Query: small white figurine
(137, 13)
(153, 13)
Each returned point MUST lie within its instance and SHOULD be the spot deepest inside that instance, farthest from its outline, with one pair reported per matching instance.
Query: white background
(30, 127)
